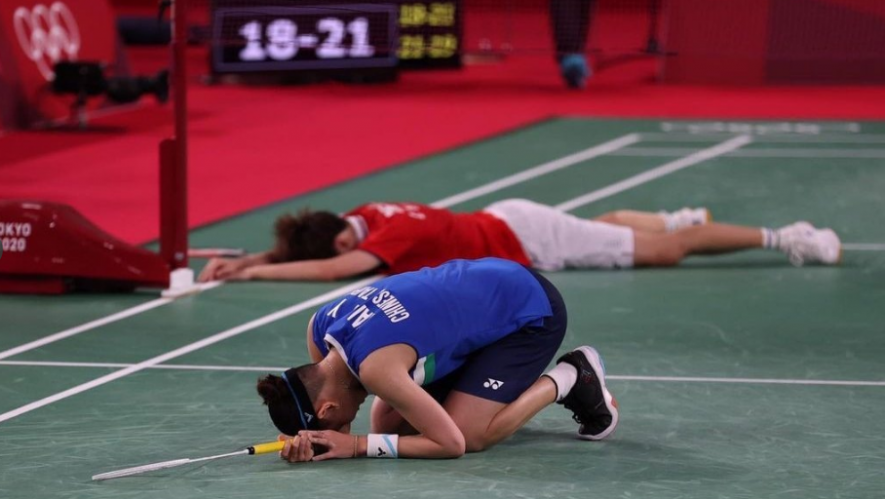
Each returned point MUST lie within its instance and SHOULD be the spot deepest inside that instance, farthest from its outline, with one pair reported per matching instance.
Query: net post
(173, 153)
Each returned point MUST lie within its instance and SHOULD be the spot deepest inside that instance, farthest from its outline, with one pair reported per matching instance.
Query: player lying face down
(400, 237)
(455, 356)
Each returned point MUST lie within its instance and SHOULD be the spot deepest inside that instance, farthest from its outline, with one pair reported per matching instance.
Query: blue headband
(297, 402)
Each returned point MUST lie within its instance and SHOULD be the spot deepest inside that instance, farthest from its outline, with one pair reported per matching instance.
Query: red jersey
(409, 236)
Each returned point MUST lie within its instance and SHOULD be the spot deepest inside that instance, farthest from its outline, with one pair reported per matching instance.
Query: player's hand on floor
(246, 274)
(338, 445)
(298, 449)
(219, 269)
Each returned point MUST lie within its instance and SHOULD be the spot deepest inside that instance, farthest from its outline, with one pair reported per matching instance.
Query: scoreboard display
(429, 34)
(269, 36)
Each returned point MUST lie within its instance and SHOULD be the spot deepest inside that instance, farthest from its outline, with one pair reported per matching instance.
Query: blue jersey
(445, 313)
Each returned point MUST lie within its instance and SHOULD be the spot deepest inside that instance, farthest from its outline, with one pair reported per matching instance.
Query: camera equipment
(87, 79)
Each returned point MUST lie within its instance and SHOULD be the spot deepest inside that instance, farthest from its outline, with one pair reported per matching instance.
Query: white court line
(660, 171)
(674, 379)
(773, 138)
(537, 171)
(863, 247)
(769, 381)
(477, 192)
(215, 338)
(52, 363)
(774, 153)
(761, 128)
(67, 333)
(118, 365)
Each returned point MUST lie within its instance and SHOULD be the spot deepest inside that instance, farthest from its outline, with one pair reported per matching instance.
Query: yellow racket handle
(266, 448)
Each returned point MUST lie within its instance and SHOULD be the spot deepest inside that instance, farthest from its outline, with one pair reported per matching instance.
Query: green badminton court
(737, 376)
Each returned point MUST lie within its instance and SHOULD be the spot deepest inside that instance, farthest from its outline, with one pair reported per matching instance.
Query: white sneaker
(803, 243)
(686, 217)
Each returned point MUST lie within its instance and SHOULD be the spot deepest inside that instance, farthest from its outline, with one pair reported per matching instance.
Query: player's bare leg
(386, 419)
(486, 422)
(577, 381)
(656, 222)
(663, 250)
(483, 422)
(801, 242)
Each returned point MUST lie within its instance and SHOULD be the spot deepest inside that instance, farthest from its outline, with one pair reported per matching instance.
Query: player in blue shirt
(455, 356)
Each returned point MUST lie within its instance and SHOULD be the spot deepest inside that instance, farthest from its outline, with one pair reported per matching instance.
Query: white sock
(670, 222)
(564, 376)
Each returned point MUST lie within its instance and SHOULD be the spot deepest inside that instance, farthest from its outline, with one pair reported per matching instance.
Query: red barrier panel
(826, 41)
(52, 248)
(719, 42)
(34, 35)
(774, 41)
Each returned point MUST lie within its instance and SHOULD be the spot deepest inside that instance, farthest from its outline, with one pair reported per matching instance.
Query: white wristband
(382, 445)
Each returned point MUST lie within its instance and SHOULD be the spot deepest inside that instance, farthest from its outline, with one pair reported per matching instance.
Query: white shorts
(554, 240)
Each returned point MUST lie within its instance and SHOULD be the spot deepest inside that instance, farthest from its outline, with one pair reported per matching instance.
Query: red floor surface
(250, 146)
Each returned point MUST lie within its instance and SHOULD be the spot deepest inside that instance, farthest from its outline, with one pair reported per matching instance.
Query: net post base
(181, 283)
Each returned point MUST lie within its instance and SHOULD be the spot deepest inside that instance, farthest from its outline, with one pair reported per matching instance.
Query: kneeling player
(454, 355)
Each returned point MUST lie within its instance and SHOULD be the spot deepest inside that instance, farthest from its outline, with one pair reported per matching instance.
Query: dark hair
(288, 414)
(310, 235)
(273, 389)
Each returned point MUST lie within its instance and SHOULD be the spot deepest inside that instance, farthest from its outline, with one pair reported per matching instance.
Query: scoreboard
(430, 34)
(269, 36)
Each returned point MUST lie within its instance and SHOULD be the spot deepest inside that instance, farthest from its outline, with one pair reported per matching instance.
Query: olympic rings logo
(45, 33)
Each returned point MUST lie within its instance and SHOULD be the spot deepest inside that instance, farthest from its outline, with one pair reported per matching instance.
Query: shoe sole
(596, 361)
(832, 234)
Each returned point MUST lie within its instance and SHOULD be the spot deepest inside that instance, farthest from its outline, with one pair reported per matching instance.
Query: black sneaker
(593, 406)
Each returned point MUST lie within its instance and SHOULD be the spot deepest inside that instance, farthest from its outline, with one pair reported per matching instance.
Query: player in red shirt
(392, 238)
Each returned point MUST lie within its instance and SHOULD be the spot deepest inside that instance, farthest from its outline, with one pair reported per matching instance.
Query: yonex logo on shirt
(494, 384)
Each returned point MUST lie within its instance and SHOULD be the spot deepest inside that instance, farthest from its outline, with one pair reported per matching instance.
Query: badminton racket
(215, 252)
(137, 470)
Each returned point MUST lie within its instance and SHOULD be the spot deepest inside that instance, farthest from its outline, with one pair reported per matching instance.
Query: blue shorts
(505, 369)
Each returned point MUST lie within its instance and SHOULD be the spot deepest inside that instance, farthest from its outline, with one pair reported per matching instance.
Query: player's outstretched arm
(350, 264)
(219, 269)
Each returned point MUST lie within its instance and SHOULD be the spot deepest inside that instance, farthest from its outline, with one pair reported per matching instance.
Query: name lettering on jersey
(364, 292)
(360, 315)
(334, 311)
(392, 308)
(386, 302)
(389, 210)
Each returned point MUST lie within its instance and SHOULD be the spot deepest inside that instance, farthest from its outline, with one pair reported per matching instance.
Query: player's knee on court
(669, 252)
(659, 250)
(476, 438)
(476, 444)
